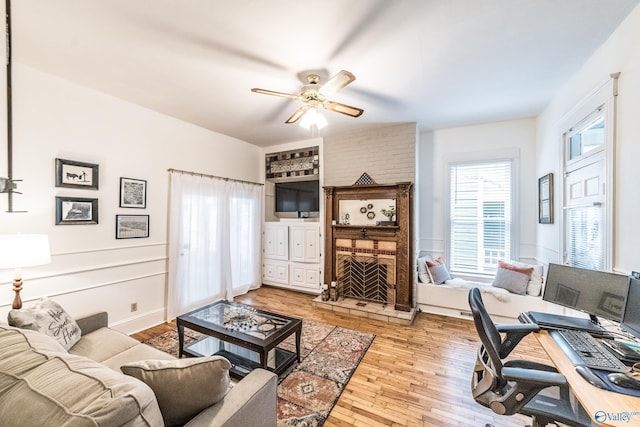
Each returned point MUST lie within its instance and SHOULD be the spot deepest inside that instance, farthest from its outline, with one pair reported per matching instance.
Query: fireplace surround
(371, 262)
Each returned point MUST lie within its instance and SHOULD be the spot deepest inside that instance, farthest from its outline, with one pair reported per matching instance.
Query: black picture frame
(76, 210)
(545, 199)
(73, 174)
(132, 226)
(133, 193)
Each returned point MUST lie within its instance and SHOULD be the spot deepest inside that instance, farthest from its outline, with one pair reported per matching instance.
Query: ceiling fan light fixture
(313, 117)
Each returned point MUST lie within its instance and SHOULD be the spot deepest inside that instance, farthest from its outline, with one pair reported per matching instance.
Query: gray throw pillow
(439, 274)
(513, 281)
(47, 317)
(183, 387)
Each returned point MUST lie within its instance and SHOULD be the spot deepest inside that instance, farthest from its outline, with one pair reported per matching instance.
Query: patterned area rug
(306, 395)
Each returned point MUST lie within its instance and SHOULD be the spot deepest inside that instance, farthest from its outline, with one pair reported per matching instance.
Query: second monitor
(596, 293)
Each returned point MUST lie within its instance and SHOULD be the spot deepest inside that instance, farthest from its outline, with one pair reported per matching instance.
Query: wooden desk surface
(603, 406)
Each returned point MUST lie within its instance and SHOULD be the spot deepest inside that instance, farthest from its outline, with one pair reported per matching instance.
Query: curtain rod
(204, 175)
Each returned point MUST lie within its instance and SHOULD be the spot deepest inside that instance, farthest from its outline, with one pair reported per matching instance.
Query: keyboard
(583, 349)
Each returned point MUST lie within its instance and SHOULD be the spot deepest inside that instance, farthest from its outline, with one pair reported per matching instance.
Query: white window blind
(585, 248)
(480, 216)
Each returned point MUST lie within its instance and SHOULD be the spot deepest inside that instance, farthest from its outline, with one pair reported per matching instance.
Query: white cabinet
(291, 256)
(276, 241)
(274, 271)
(305, 275)
(305, 243)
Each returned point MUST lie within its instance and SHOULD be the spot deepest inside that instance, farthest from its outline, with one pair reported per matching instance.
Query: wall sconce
(7, 185)
(23, 250)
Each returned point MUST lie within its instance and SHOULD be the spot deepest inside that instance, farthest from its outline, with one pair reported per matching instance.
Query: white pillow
(48, 317)
(423, 273)
(534, 287)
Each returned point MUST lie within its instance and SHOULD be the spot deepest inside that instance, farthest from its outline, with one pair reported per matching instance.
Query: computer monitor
(597, 293)
(631, 317)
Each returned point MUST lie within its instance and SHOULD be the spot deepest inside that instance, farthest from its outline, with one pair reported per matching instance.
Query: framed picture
(76, 210)
(133, 193)
(132, 226)
(73, 174)
(545, 199)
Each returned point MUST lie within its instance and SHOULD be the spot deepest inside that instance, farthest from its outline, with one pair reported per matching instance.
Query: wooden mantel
(401, 233)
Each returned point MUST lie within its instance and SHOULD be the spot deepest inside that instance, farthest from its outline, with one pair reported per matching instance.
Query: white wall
(619, 53)
(90, 269)
(437, 148)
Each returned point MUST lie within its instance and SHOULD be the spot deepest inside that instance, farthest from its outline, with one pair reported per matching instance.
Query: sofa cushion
(183, 387)
(48, 317)
(63, 389)
(103, 344)
(511, 280)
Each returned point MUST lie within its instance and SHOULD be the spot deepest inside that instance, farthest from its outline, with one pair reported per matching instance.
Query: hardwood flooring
(416, 375)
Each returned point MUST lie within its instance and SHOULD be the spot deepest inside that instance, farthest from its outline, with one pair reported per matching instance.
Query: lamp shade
(24, 250)
(313, 117)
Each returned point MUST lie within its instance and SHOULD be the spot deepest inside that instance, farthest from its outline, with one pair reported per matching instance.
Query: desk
(595, 401)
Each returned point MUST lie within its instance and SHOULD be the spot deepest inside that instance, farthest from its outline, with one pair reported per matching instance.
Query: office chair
(518, 386)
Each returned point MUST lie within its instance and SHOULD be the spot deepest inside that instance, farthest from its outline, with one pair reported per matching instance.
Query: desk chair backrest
(488, 381)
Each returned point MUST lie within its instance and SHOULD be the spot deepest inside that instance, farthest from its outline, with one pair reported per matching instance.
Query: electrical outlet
(134, 306)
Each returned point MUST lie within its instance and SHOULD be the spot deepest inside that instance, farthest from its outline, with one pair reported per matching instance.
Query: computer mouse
(624, 380)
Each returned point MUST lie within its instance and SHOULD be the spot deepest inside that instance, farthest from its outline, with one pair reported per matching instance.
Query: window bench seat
(451, 299)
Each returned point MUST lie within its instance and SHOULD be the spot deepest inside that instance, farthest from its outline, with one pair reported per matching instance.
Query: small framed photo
(72, 174)
(133, 193)
(545, 199)
(76, 210)
(132, 226)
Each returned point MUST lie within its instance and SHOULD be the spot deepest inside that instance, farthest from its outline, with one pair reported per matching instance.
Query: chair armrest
(534, 377)
(253, 398)
(93, 322)
(514, 334)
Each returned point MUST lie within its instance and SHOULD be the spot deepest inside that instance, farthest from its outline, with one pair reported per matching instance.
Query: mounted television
(597, 293)
(298, 196)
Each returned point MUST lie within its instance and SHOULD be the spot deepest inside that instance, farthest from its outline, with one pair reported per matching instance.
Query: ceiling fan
(315, 95)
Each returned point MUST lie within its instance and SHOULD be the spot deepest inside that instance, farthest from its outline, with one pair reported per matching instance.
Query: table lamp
(23, 250)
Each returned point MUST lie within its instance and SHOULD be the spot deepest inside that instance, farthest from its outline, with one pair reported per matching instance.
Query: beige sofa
(43, 384)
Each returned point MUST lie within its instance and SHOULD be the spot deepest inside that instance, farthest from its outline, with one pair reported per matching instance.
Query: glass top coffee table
(246, 336)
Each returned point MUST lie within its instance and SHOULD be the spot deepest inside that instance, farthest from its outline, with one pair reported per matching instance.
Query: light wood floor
(416, 375)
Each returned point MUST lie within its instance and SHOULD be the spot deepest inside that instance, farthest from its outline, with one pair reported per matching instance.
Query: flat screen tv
(298, 196)
(597, 293)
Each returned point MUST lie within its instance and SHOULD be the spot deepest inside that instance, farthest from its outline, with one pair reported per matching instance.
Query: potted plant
(389, 213)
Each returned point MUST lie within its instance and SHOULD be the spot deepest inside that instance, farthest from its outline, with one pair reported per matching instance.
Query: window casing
(480, 216)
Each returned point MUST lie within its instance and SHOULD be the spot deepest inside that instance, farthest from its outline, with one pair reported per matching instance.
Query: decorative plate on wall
(371, 214)
(363, 210)
(369, 206)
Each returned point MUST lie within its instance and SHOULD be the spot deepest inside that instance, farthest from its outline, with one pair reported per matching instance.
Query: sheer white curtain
(214, 240)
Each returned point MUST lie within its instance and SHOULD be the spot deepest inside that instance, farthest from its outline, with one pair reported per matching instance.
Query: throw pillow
(423, 272)
(183, 387)
(438, 271)
(534, 288)
(47, 317)
(511, 280)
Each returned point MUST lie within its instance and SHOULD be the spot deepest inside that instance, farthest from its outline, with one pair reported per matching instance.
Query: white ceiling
(439, 63)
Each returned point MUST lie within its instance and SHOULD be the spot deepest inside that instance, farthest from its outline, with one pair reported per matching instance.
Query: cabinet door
(305, 244)
(305, 276)
(275, 272)
(276, 241)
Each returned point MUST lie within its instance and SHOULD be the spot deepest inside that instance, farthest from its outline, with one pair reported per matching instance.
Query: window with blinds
(584, 235)
(481, 212)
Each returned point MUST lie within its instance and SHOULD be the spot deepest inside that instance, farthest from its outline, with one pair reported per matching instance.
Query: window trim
(603, 96)
(511, 154)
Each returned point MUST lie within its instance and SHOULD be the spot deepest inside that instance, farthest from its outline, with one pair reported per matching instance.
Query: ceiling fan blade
(343, 108)
(337, 82)
(297, 114)
(274, 93)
